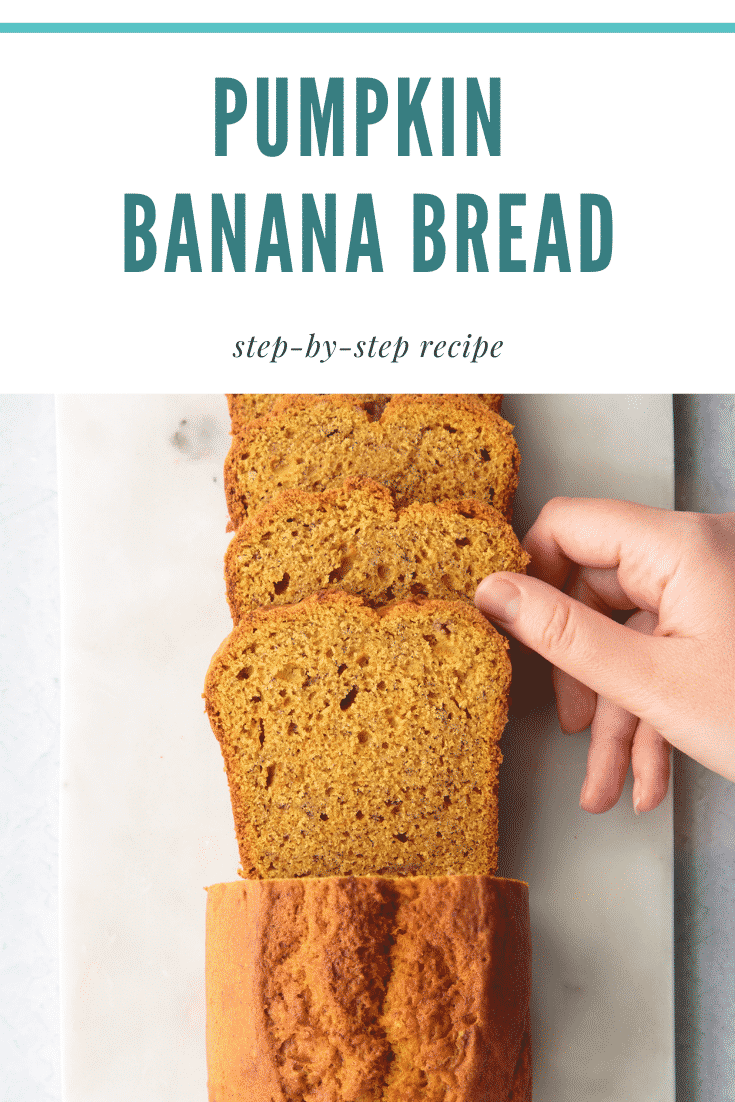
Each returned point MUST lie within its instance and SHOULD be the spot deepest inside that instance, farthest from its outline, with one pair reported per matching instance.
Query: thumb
(613, 660)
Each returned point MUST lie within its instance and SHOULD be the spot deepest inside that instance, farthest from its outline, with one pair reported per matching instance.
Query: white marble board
(145, 816)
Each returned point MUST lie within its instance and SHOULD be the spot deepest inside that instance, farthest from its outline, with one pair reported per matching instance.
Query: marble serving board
(145, 814)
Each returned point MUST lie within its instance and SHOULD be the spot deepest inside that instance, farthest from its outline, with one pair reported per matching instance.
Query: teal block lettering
(333, 112)
(552, 218)
(423, 231)
(182, 221)
(467, 234)
(508, 232)
(363, 117)
(222, 117)
(587, 263)
(489, 119)
(364, 218)
(222, 228)
(135, 232)
(411, 114)
(447, 116)
(276, 147)
(273, 219)
(311, 231)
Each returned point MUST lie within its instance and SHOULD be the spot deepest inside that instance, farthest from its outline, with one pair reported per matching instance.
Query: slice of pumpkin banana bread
(423, 447)
(353, 537)
(359, 741)
(245, 407)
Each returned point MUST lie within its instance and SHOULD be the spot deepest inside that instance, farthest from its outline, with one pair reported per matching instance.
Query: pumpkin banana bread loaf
(245, 407)
(423, 447)
(369, 990)
(359, 741)
(354, 537)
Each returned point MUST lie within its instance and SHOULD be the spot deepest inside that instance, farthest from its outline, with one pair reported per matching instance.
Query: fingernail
(636, 798)
(498, 598)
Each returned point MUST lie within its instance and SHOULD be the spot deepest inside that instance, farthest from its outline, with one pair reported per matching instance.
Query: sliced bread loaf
(359, 741)
(354, 537)
(423, 447)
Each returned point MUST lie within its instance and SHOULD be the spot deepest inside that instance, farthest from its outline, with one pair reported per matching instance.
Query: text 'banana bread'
(353, 537)
(423, 447)
(369, 990)
(359, 741)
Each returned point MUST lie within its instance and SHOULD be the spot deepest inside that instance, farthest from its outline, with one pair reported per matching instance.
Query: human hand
(664, 678)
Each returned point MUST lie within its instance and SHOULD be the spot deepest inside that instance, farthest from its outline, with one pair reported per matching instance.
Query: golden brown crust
(355, 989)
(361, 741)
(424, 447)
(352, 537)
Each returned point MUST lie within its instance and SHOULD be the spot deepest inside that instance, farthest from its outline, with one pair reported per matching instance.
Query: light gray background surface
(29, 708)
(29, 751)
(704, 808)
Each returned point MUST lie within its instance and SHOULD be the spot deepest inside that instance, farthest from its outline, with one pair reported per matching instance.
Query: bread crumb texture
(369, 990)
(353, 537)
(246, 407)
(359, 741)
(423, 447)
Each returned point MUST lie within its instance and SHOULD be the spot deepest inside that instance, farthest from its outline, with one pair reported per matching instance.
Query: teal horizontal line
(367, 28)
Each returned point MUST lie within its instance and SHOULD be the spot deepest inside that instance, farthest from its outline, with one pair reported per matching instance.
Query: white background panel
(640, 119)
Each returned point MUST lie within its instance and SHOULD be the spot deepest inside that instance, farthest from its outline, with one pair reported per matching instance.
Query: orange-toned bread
(423, 447)
(245, 407)
(353, 537)
(369, 990)
(359, 741)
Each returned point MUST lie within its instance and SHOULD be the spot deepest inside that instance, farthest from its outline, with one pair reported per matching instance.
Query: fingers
(598, 589)
(608, 757)
(617, 738)
(650, 758)
(575, 702)
(640, 542)
(613, 556)
(604, 672)
(609, 658)
(613, 732)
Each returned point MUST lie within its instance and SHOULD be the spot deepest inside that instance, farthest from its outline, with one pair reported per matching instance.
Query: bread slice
(354, 537)
(423, 447)
(352, 989)
(246, 407)
(361, 742)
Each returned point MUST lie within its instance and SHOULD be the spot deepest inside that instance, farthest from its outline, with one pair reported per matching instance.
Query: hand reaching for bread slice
(666, 677)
